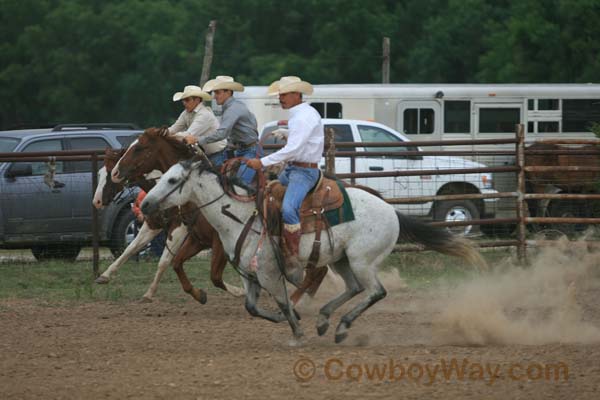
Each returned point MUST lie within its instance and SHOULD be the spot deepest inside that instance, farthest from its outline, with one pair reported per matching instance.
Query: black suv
(55, 220)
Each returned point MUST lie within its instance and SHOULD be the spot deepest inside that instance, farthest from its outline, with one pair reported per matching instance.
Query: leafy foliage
(121, 60)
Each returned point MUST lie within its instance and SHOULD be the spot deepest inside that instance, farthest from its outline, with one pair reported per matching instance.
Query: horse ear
(163, 131)
(143, 138)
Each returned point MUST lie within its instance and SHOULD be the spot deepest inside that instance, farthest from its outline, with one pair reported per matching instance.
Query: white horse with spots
(359, 247)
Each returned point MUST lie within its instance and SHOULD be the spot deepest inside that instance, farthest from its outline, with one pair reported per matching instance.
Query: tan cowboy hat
(289, 84)
(223, 82)
(192, 91)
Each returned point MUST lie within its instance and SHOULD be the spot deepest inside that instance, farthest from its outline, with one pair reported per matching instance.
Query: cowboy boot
(291, 234)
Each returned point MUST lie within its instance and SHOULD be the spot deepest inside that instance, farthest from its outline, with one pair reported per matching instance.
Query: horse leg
(366, 275)
(144, 236)
(217, 265)
(252, 295)
(270, 278)
(342, 267)
(173, 245)
(190, 248)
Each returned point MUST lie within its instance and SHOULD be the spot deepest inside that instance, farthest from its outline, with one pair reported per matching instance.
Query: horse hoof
(203, 297)
(236, 291)
(102, 280)
(340, 337)
(322, 325)
(341, 332)
(145, 299)
(296, 342)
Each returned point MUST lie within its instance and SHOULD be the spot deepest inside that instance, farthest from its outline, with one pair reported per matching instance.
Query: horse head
(107, 189)
(176, 186)
(154, 149)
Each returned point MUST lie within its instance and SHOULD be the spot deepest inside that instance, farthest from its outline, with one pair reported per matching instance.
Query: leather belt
(303, 164)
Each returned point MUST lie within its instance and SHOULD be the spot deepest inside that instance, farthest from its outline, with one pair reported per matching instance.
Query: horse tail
(438, 239)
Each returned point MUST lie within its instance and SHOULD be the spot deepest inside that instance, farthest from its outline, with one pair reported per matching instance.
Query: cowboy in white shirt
(197, 121)
(302, 153)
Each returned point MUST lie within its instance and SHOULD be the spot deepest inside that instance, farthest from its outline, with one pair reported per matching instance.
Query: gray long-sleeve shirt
(238, 125)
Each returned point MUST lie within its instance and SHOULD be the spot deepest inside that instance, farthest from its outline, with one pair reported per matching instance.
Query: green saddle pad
(342, 214)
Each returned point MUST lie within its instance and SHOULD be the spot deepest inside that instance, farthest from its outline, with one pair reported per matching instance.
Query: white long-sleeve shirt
(306, 138)
(200, 122)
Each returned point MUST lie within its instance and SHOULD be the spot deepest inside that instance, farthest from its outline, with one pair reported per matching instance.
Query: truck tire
(122, 232)
(457, 210)
(64, 252)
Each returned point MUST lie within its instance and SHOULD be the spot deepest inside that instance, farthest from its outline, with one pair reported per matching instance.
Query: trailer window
(419, 121)
(547, 126)
(328, 110)
(578, 115)
(457, 116)
(498, 120)
(547, 104)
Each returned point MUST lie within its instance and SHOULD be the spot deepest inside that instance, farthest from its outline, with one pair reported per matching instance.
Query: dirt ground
(213, 351)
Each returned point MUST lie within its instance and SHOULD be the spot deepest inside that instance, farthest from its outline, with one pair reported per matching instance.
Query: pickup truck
(347, 130)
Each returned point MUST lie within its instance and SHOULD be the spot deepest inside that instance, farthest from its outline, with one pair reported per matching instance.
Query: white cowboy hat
(223, 82)
(289, 84)
(192, 91)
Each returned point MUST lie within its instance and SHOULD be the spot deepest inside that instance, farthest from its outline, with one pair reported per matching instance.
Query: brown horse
(569, 181)
(155, 150)
(562, 181)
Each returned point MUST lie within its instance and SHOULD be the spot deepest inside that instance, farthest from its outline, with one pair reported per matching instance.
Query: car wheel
(63, 252)
(123, 232)
(459, 210)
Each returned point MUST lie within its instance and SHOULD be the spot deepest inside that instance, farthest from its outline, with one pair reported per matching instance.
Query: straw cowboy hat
(223, 82)
(192, 91)
(289, 84)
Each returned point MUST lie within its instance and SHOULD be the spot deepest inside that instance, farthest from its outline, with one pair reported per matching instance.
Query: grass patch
(424, 269)
(58, 281)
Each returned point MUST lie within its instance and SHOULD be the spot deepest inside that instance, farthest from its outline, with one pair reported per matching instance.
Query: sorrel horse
(155, 150)
(549, 154)
(105, 193)
(152, 226)
(357, 248)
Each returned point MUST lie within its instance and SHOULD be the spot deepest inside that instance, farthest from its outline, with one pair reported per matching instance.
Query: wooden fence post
(95, 234)
(385, 66)
(521, 205)
(330, 151)
(208, 52)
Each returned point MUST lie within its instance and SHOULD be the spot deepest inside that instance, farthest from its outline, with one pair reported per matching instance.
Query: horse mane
(111, 156)
(182, 150)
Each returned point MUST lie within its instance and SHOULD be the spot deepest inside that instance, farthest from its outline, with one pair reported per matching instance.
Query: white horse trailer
(454, 111)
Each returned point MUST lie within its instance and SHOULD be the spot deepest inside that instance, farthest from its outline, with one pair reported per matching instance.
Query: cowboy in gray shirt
(238, 124)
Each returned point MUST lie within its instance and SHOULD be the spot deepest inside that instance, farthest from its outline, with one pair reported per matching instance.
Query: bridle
(183, 181)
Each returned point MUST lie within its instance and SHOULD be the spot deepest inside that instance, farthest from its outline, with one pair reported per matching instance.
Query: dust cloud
(534, 305)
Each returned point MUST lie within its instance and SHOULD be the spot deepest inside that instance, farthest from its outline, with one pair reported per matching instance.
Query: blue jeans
(217, 159)
(157, 245)
(245, 173)
(298, 181)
